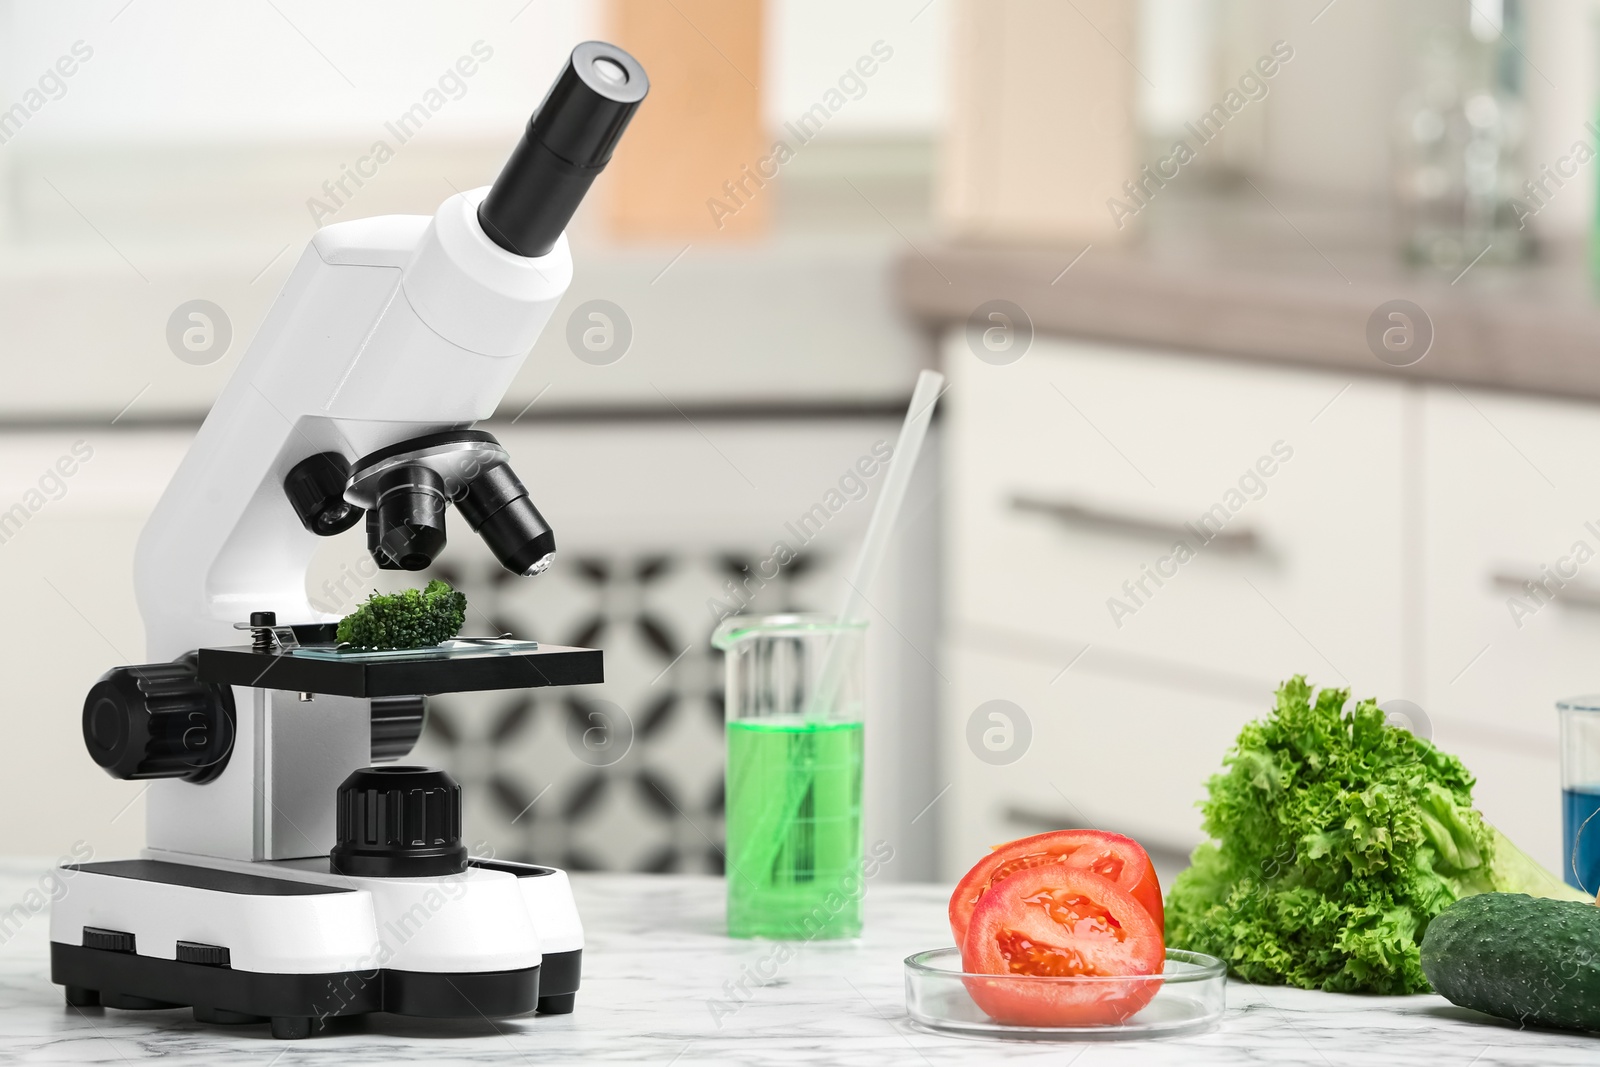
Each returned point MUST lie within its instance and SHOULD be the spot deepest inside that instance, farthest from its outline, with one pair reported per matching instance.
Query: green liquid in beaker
(794, 829)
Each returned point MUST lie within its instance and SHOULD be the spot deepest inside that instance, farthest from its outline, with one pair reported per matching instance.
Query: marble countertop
(662, 985)
(1291, 281)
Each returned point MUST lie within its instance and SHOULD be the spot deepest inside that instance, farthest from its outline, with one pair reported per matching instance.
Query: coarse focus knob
(315, 488)
(398, 822)
(159, 720)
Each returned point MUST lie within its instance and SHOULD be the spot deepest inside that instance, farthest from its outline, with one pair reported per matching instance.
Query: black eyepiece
(496, 505)
(567, 144)
(405, 527)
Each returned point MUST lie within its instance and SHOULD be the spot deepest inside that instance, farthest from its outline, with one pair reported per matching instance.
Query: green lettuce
(1337, 838)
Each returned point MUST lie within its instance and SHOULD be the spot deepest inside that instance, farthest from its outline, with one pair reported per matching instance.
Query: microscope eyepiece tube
(568, 142)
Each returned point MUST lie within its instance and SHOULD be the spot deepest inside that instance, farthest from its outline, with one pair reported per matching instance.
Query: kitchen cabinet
(1512, 497)
(1091, 749)
(1381, 555)
(67, 561)
(1187, 533)
(1080, 468)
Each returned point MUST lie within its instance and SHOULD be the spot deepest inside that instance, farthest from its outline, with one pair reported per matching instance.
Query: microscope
(294, 874)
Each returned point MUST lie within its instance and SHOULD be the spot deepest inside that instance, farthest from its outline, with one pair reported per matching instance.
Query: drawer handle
(1572, 594)
(1242, 539)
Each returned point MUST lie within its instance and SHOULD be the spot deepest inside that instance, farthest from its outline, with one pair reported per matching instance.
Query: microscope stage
(429, 671)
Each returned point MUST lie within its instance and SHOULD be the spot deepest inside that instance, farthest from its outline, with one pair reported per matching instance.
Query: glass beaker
(1580, 792)
(793, 798)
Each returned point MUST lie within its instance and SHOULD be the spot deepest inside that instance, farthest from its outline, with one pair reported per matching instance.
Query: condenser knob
(398, 822)
(159, 720)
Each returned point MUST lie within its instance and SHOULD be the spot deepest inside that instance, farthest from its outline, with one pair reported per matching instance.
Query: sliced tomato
(1060, 921)
(1118, 858)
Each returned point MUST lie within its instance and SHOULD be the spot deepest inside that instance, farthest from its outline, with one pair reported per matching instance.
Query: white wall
(237, 69)
(810, 43)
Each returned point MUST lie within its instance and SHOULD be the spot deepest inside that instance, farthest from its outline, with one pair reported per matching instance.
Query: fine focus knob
(159, 720)
(399, 822)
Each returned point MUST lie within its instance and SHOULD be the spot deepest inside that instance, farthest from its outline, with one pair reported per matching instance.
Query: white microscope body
(391, 338)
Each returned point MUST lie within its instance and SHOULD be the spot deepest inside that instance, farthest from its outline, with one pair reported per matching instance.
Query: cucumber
(1528, 959)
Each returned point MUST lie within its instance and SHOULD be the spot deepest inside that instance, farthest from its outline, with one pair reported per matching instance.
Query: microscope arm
(388, 328)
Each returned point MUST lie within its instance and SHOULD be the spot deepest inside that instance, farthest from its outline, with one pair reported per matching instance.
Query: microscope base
(296, 945)
(298, 1005)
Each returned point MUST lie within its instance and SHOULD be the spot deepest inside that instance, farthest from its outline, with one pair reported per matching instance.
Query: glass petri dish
(1185, 998)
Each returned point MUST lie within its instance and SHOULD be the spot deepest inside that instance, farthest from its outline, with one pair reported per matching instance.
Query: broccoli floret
(412, 618)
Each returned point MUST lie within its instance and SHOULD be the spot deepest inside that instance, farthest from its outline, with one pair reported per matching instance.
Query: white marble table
(662, 985)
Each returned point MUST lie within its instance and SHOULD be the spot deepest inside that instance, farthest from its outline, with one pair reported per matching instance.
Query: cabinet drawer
(1110, 752)
(1232, 516)
(1513, 497)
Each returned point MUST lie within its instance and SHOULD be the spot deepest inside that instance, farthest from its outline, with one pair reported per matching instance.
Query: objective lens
(496, 505)
(405, 528)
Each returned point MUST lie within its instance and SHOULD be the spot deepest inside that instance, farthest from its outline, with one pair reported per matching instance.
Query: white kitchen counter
(660, 986)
